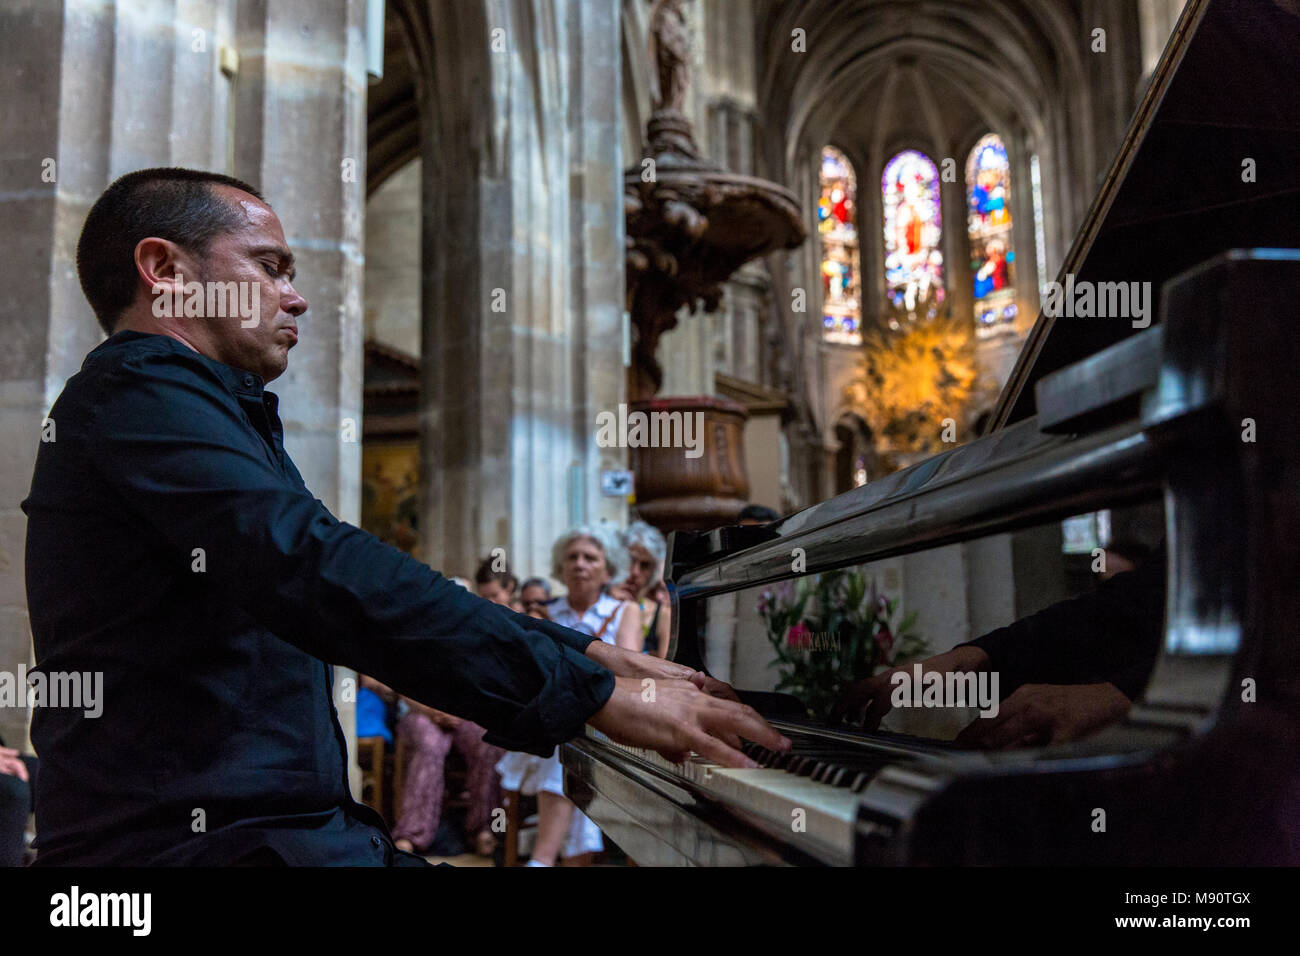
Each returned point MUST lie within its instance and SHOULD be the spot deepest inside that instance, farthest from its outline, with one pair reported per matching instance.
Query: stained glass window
(913, 262)
(993, 256)
(837, 226)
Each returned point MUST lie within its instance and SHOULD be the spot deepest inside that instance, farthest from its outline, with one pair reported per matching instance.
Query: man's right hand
(675, 717)
(865, 703)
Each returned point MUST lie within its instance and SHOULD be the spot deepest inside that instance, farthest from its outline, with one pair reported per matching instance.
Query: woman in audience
(586, 559)
(645, 585)
(430, 735)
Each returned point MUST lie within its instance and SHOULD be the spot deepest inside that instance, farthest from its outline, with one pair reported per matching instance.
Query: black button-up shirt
(173, 547)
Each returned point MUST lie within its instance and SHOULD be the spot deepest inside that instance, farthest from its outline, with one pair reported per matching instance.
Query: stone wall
(110, 88)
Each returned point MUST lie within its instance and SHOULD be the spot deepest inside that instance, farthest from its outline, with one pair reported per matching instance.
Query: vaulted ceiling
(881, 75)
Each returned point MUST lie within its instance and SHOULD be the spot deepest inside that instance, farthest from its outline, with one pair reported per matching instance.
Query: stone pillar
(299, 137)
(76, 120)
(298, 115)
(522, 335)
(35, 208)
(959, 280)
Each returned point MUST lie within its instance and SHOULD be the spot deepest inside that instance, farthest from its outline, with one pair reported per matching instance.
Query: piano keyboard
(811, 791)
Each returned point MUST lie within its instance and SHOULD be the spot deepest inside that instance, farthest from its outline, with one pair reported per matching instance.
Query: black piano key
(786, 761)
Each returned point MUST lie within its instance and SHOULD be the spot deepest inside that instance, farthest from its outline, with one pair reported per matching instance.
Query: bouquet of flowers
(831, 630)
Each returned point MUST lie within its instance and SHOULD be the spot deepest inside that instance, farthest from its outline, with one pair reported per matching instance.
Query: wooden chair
(371, 758)
(519, 807)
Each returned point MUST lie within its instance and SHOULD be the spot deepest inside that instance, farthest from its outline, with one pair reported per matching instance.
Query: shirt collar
(238, 380)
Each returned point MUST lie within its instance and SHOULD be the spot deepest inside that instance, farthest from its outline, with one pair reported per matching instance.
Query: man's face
(257, 259)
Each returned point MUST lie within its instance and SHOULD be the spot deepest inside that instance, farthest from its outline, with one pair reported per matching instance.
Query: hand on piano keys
(1037, 714)
(866, 703)
(676, 717)
(627, 663)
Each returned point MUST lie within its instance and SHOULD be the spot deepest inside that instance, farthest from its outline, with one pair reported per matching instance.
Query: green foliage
(830, 630)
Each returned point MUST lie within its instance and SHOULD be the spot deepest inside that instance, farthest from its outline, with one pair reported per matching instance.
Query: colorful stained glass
(993, 255)
(837, 227)
(913, 225)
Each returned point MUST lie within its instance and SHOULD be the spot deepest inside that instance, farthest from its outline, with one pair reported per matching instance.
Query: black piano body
(1198, 412)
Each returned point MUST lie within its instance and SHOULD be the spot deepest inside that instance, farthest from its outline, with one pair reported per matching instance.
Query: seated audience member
(585, 559)
(496, 586)
(16, 794)
(429, 735)
(534, 596)
(756, 514)
(644, 584)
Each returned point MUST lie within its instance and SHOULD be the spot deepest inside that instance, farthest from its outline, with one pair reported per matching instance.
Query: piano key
(828, 816)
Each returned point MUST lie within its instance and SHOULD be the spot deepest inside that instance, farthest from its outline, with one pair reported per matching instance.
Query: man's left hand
(1037, 714)
(626, 663)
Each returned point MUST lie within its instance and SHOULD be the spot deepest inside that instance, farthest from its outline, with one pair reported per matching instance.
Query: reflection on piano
(1205, 768)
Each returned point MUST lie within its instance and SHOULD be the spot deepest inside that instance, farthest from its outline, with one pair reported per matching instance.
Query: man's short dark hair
(757, 513)
(1131, 548)
(171, 203)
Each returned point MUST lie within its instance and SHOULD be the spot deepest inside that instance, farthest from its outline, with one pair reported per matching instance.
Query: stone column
(299, 137)
(523, 285)
(76, 118)
(298, 114)
(35, 207)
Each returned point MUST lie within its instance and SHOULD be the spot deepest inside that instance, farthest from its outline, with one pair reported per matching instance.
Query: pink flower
(798, 636)
(884, 639)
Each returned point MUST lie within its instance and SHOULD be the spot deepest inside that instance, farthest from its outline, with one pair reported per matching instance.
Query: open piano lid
(1224, 92)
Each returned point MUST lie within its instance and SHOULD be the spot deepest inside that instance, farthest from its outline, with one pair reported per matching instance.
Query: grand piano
(1192, 422)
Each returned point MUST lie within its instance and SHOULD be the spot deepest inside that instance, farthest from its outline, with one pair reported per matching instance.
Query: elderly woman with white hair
(586, 559)
(644, 584)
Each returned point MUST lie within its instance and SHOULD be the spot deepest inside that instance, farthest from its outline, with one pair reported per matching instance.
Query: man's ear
(161, 265)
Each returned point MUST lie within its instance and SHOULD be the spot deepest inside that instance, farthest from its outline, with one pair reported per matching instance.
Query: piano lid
(1225, 91)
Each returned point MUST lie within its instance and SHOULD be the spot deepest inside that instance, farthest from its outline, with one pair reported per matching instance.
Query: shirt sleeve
(169, 438)
(1109, 635)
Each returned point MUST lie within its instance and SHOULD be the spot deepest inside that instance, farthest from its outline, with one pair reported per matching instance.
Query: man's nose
(293, 302)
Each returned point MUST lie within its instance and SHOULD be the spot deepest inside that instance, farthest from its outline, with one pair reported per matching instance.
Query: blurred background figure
(429, 736)
(17, 787)
(533, 597)
(756, 514)
(644, 584)
(585, 559)
(497, 586)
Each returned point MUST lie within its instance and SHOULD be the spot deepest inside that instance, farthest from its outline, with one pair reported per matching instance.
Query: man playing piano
(174, 551)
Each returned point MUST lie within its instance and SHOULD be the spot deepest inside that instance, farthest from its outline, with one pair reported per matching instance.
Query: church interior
(817, 243)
